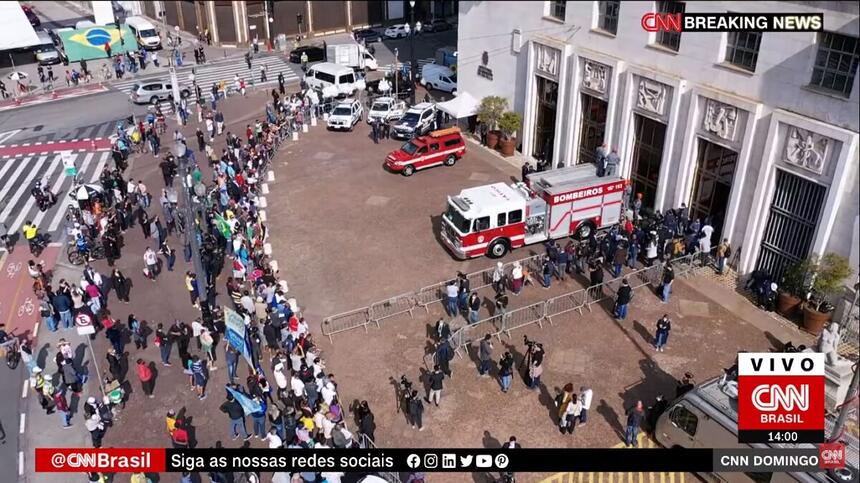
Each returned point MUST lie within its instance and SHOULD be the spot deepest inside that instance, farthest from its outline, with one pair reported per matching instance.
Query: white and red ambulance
(494, 219)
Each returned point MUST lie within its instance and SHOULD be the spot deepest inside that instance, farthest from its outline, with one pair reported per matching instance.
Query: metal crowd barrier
(432, 294)
(397, 305)
(563, 304)
(346, 321)
(554, 307)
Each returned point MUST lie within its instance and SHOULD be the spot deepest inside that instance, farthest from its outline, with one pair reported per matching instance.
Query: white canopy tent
(15, 30)
(462, 106)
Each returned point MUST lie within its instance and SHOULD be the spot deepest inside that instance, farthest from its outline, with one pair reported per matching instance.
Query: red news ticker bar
(111, 460)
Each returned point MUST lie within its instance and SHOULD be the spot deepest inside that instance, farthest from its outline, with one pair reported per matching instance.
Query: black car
(404, 87)
(367, 35)
(438, 25)
(314, 53)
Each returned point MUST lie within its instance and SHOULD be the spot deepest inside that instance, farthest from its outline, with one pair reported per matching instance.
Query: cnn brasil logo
(781, 397)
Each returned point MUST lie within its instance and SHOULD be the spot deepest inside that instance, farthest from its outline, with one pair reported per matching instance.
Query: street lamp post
(413, 64)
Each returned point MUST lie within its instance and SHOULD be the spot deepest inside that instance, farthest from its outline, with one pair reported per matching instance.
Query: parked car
(417, 121)
(315, 53)
(367, 35)
(154, 91)
(444, 146)
(46, 52)
(386, 109)
(345, 115)
(403, 86)
(438, 25)
(397, 31)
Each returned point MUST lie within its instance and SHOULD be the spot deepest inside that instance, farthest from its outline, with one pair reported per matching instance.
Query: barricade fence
(570, 302)
(532, 265)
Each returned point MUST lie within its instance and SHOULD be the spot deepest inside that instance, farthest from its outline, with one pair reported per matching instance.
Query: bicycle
(76, 257)
(13, 354)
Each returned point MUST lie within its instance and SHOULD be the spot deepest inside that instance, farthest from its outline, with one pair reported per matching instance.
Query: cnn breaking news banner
(703, 460)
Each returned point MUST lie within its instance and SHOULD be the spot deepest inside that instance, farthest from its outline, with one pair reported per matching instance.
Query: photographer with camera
(534, 361)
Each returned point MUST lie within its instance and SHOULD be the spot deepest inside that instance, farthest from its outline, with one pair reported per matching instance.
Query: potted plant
(792, 289)
(489, 112)
(828, 274)
(509, 123)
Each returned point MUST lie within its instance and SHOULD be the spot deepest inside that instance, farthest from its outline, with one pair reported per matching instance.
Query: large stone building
(234, 23)
(757, 130)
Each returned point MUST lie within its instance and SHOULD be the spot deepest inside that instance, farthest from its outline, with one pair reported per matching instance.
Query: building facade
(235, 23)
(758, 131)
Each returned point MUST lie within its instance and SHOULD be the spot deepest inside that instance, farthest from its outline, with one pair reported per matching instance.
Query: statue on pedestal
(828, 343)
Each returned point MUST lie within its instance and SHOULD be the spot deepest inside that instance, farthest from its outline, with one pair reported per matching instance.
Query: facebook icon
(413, 460)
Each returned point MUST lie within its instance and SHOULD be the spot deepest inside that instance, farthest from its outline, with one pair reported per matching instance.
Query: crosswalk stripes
(18, 175)
(207, 74)
(643, 440)
(93, 131)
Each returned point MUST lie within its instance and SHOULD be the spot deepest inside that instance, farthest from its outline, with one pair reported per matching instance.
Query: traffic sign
(84, 324)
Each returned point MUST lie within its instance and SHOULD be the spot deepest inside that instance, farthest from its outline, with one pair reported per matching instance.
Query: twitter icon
(465, 461)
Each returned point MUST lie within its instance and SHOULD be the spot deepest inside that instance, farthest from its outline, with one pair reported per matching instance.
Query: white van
(145, 33)
(439, 77)
(46, 51)
(327, 74)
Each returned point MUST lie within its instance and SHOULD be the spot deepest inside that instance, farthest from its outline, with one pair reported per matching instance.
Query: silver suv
(155, 91)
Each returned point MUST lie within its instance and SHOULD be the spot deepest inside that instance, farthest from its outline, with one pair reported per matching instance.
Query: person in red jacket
(62, 407)
(147, 379)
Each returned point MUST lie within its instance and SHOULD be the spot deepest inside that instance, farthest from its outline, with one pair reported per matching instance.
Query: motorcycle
(13, 356)
(38, 244)
(45, 198)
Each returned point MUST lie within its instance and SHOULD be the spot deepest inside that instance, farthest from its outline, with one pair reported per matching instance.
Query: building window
(836, 63)
(742, 49)
(608, 20)
(557, 9)
(670, 40)
(593, 127)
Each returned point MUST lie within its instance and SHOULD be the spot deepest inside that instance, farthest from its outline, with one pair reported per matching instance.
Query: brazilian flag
(223, 226)
(89, 43)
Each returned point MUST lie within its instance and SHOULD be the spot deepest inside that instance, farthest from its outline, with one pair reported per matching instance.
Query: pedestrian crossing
(34, 136)
(18, 175)
(643, 440)
(205, 75)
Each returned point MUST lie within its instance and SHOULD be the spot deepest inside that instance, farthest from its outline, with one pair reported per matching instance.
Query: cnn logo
(831, 455)
(774, 397)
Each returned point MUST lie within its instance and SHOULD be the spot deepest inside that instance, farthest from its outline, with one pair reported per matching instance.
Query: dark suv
(417, 121)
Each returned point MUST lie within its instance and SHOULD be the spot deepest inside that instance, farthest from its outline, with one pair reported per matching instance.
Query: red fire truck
(497, 218)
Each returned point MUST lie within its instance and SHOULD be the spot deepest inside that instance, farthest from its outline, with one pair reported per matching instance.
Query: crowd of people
(291, 399)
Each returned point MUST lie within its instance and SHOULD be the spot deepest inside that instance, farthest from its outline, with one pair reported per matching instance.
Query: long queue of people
(302, 407)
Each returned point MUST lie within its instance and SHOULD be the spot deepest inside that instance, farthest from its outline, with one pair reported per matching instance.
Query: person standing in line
(724, 252)
(634, 419)
(62, 407)
(464, 290)
(436, 377)
(193, 290)
(501, 303)
(666, 287)
(97, 430)
(622, 299)
(147, 379)
(506, 371)
(547, 269)
(416, 411)
(474, 307)
(485, 355)
(162, 340)
(444, 354)
(517, 278)
(151, 262)
(585, 397)
(234, 411)
(661, 336)
(572, 412)
(451, 292)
